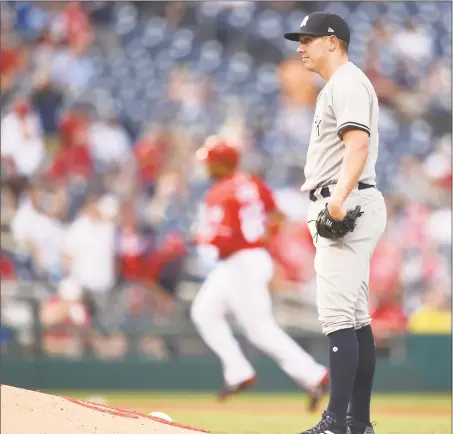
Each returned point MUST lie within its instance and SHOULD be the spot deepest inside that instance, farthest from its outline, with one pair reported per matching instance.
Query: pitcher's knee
(335, 323)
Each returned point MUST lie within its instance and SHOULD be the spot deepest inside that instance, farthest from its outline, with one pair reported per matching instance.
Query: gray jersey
(347, 100)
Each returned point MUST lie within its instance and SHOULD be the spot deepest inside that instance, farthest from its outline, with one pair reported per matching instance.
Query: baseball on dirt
(160, 415)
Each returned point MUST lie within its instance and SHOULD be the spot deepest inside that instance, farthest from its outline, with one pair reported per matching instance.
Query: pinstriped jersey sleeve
(351, 103)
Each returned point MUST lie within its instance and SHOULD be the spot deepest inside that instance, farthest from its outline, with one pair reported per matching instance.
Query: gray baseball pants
(343, 266)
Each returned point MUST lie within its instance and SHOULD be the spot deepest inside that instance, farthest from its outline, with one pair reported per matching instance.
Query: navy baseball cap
(322, 24)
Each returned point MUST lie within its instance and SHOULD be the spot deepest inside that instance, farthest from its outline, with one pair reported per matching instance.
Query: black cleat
(227, 391)
(327, 425)
(315, 396)
(358, 428)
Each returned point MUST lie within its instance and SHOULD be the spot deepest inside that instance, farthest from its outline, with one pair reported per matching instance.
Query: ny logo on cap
(304, 21)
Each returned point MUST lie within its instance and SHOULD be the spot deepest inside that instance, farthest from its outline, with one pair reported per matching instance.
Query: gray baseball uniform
(348, 100)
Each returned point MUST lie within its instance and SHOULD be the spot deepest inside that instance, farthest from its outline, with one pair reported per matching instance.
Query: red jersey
(70, 161)
(131, 248)
(150, 156)
(385, 268)
(388, 318)
(234, 214)
(9, 61)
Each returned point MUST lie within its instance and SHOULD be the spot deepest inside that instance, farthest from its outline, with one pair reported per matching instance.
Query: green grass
(281, 413)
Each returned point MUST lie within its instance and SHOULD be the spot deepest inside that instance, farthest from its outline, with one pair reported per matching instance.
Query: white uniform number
(210, 219)
(252, 215)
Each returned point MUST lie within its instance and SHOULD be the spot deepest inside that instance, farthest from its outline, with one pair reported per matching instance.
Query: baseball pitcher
(347, 216)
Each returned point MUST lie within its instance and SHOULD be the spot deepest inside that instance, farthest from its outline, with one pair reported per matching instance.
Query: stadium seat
(269, 24)
(241, 16)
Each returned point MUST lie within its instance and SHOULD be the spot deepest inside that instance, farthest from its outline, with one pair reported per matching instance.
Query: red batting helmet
(217, 150)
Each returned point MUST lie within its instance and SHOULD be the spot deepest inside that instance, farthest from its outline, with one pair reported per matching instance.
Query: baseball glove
(327, 227)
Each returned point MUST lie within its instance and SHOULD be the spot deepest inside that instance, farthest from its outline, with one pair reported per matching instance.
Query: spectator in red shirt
(161, 273)
(9, 64)
(388, 320)
(7, 267)
(77, 23)
(131, 245)
(13, 58)
(150, 153)
(143, 261)
(385, 290)
(166, 263)
(74, 159)
(385, 269)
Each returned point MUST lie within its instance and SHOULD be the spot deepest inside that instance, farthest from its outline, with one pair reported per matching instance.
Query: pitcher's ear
(333, 42)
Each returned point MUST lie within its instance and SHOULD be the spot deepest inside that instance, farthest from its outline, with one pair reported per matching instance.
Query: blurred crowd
(103, 107)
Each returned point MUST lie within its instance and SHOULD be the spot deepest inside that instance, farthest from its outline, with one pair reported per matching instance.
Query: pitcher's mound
(27, 412)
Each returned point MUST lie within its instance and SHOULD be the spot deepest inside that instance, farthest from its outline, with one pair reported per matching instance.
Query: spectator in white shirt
(110, 144)
(38, 235)
(22, 229)
(22, 149)
(89, 248)
(89, 253)
(413, 44)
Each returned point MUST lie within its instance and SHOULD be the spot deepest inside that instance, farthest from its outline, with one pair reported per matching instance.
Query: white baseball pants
(343, 266)
(239, 284)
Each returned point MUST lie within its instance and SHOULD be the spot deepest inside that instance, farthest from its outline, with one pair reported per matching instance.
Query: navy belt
(325, 191)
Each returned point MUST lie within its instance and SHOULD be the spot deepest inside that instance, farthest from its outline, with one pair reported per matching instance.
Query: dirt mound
(28, 412)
